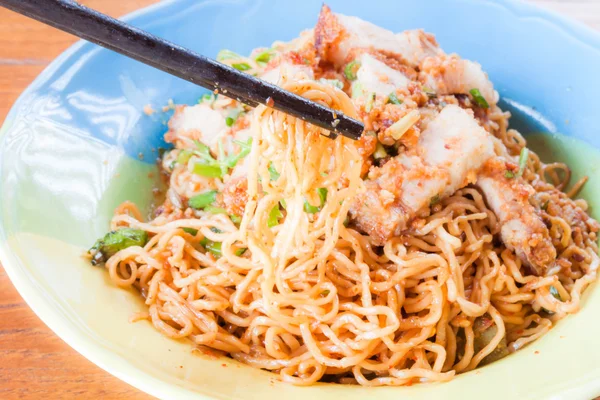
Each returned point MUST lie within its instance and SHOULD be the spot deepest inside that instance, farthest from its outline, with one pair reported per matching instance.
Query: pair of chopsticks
(137, 44)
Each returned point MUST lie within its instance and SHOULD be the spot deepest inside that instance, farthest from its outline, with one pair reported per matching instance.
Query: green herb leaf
(393, 99)
(351, 69)
(509, 174)
(283, 204)
(265, 56)
(273, 172)
(434, 200)
(191, 231)
(241, 66)
(274, 216)
(333, 82)
(479, 99)
(202, 200)
(227, 55)
(523, 157)
(236, 219)
(116, 241)
(555, 293)
(370, 102)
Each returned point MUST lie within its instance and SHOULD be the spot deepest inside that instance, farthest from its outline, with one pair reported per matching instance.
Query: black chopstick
(135, 43)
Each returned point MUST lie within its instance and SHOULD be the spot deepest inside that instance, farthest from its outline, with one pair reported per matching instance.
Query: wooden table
(34, 362)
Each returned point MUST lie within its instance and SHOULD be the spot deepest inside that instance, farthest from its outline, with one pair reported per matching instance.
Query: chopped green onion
(509, 174)
(479, 99)
(214, 229)
(233, 116)
(555, 293)
(213, 247)
(309, 208)
(202, 200)
(357, 90)
(273, 172)
(208, 170)
(283, 204)
(191, 231)
(325, 293)
(545, 205)
(523, 157)
(370, 102)
(215, 210)
(227, 55)
(274, 216)
(351, 69)
(241, 66)
(184, 157)
(236, 219)
(434, 200)
(322, 192)
(333, 82)
(429, 92)
(240, 252)
(346, 221)
(116, 241)
(232, 160)
(208, 98)
(265, 56)
(393, 99)
(380, 152)
(203, 150)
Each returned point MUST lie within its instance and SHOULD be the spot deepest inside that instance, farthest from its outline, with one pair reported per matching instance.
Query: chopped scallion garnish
(241, 66)
(434, 200)
(380, 152)
(370, 102)
(208, 98)
(273, 172)
(523, 157)
(191, 231)
(479, 99)
(393, 99)
(333, 82)
(351, 69)
(555, 293)
(274, 216)
(265, 56)
(509, 174)
(322, 192)
(227, 55)
(208, 170)
(202, 200)
(215, 210)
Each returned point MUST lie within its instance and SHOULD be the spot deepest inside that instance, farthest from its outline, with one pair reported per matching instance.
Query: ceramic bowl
(77, 143)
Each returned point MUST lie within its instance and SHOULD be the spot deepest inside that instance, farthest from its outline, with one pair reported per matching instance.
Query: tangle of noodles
(313, 299)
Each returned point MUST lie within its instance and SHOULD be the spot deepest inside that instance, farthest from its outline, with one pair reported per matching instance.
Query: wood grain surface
(34, 362)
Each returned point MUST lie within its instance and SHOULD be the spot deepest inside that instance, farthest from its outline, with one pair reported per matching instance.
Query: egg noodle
(314, 300)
